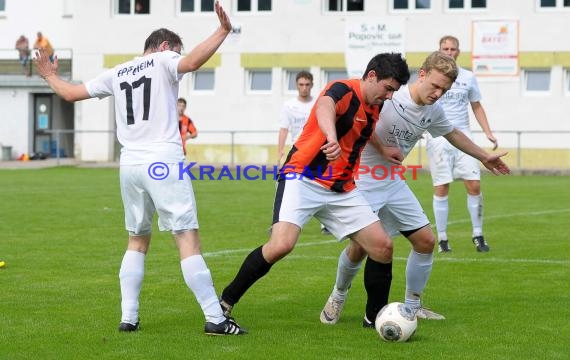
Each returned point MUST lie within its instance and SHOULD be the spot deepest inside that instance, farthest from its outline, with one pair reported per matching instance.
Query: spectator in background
(23, 47)
(185, 124)
(141, 8)
(42, 42)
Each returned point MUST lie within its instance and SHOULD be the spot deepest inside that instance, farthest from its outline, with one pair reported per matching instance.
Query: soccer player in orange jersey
(317, 177)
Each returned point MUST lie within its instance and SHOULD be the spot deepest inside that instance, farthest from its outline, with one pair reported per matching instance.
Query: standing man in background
(185, 124)
(295, 112)
(448, 163)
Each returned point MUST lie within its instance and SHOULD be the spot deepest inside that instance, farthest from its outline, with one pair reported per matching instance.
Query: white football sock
(475, 207)
(131, 277)
(418, 270)
(198, 278)
(441, 211)
(345, 273)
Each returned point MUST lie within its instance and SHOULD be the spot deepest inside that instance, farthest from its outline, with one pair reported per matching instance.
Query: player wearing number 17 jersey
(146, 91)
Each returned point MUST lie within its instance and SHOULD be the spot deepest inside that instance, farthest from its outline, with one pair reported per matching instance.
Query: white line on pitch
(531, 213)
(398, 258)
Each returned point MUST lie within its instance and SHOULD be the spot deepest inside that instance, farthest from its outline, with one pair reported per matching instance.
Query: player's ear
(163, 46)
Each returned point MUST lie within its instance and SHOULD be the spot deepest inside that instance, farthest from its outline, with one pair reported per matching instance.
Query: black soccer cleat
(226, 327)
(367, 324)
(128, 327)
(325, 231)
(444, 247)
(481, 244)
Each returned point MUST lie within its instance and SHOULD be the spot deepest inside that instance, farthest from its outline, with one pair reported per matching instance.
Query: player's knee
(277, 249)
(382, 250)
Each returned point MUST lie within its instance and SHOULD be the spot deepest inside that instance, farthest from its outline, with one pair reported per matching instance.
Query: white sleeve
(284, 121)
(439, 125)
(171, 60)
(474, 93)
(102, 85)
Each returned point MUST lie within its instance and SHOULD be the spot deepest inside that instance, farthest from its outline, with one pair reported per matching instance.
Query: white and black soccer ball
(396, 322)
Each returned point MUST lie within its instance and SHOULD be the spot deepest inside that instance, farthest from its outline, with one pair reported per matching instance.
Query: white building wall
(91, 29)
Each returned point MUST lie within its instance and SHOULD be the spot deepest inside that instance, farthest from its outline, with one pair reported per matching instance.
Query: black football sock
(377, 281)
(254, 267)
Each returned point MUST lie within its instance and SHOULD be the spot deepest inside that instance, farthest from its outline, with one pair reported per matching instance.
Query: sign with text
(365, 38)
(495, 50)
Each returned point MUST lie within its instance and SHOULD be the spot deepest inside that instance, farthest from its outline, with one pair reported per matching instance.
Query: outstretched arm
(48, 71)
(203, 51)
(492, 162)
(481, 117)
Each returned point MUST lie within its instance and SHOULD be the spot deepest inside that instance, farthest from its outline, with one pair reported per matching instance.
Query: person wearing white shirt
(295, 112)
(410, 113)
(145, 91)
(447, 163)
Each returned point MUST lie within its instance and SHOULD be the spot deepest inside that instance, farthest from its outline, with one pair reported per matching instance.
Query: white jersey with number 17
(145, 91)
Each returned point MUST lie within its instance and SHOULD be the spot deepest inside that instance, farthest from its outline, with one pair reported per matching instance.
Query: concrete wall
(94, 33)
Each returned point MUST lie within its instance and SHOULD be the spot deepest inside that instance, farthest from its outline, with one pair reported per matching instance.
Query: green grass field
(62, 237)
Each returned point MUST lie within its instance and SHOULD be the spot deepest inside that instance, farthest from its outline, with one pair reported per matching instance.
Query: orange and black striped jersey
(186, 125)
(355, 123)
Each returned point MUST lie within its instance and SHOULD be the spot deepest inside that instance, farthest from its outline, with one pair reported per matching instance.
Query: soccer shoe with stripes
(480, 244)
(443, 246)
(331, 311)
(128, 327)
(427, 314)
(367, 324)
(226, 327)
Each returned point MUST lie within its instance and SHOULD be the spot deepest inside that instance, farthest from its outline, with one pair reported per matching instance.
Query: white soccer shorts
(142, 195)
(396, 205)
(447, 163)
(341, 213)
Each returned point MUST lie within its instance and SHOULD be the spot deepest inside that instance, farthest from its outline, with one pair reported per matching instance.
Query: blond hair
(441, 62)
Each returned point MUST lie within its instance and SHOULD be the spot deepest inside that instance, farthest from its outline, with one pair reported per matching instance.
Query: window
(2, 6)
(290, 82)
(332, 75)
(553, 4)
(537, 80)
(253, 5)
(259, 80)
(411, 4)
(343, 5)
(196, 6)
(67, 8)
(204, 80)
(466, 4)
(126, 7)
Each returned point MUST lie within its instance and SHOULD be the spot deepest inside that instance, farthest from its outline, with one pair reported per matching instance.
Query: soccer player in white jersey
(295, 112)
(447, 163)
(403, 120)
(146, 91)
